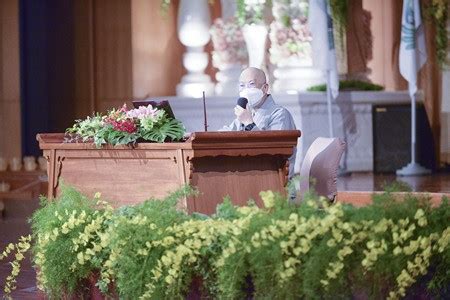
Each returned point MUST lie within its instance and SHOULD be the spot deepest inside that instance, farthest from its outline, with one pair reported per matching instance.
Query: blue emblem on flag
(330, 32)
(408, 27)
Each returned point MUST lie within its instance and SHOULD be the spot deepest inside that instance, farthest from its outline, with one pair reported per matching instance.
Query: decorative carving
(286, 171)
(283, 169)
(47, 158)
(190, 167)
(58, 168)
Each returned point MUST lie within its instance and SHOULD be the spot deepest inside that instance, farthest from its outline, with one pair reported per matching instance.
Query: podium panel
(218, 164)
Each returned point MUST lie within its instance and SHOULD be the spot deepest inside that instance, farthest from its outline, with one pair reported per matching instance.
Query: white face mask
(254, 96)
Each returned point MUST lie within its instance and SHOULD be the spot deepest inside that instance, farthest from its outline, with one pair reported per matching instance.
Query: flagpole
(412, 57)
(413, 168)
(413, 129)
(342, 170)
(330, 115)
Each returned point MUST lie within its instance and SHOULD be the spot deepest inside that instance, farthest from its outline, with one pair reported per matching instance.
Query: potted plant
(389, 249)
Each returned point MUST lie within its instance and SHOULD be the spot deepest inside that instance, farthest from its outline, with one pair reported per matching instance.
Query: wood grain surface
(218, 164)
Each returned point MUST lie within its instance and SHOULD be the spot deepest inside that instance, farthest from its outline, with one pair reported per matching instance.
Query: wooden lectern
(237, 164)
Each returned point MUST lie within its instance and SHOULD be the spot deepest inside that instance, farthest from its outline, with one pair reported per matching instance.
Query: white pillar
(194, 22)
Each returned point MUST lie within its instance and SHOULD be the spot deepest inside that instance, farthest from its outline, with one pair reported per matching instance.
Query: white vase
(255, 38)
(4, 187)
(15, 164)
(194, 22)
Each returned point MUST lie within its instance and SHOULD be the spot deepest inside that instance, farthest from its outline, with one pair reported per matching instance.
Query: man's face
(251, 79)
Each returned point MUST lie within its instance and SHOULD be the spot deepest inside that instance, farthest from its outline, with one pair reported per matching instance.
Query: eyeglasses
(250, 84)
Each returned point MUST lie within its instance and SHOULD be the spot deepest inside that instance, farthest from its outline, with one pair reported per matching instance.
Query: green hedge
(282, 251)
(349, 85)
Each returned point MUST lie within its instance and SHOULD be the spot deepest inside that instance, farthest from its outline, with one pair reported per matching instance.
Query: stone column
(194, 21)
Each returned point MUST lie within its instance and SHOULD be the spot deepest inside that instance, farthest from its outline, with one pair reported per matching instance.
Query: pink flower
(142, 112)
(123, 108)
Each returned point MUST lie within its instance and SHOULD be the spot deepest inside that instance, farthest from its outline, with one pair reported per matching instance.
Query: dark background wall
(46, 68)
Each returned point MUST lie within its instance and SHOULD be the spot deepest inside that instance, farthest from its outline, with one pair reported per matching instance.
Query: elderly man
(261, 113)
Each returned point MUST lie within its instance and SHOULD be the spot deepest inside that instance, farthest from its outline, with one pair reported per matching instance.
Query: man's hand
(243, 115)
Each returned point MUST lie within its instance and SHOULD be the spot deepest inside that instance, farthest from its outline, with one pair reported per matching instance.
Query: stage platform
(359, 185)
(359, 188)
(367, 181)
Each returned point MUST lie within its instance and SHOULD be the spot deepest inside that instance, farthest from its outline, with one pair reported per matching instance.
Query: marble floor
(437, 182)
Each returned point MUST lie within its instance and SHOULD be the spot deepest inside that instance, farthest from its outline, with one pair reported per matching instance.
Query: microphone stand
(204, 112)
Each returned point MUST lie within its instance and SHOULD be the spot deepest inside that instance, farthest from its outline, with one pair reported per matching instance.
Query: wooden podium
(237, 164)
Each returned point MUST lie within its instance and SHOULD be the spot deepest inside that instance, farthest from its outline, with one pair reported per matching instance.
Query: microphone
(242, 102)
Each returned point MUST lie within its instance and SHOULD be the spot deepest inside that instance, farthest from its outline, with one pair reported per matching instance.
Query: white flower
(142, 112)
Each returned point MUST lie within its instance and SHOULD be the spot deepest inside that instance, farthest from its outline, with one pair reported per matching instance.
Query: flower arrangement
(123, 126)
(285, 11)
(289, 35)
(314, 250)
(290, 43)
(228, 42)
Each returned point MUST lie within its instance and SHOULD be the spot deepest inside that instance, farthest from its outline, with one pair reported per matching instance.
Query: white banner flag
(324, 54)
(413, 53)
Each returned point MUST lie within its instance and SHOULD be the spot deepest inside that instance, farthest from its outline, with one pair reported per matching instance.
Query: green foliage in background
(251, 12)
(67, 235)
(349, 85)
(165, 4)
(339, 13)
(437, 12)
